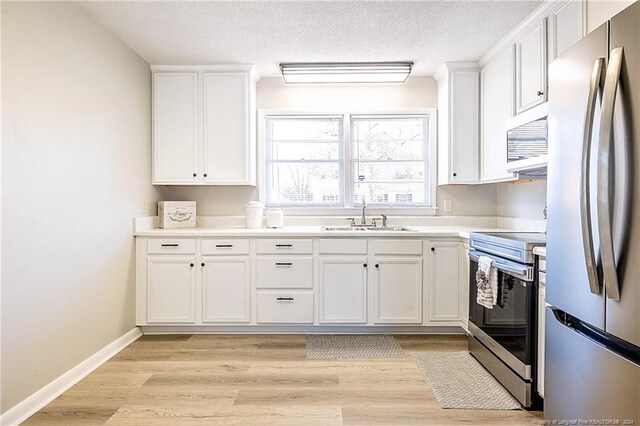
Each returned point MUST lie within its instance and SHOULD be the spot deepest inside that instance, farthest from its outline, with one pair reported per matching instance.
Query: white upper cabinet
(204, 125)
(567, 27)
(175, 127)
(458, 123)
(228, 151)
(531, 66)
(497, 80)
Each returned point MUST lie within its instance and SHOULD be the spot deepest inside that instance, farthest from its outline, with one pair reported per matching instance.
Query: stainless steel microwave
(527, 141)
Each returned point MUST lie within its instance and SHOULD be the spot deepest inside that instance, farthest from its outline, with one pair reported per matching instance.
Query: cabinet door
(226, 285)
(566, 27)
(397, 284)
(171, 289)
(464, 126)
(531, 75)
(497, 107)
(226, 128)
(175, 127)
(343, 289)
(445, 281)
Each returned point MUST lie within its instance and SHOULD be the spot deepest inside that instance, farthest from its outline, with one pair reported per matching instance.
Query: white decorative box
(176, 214)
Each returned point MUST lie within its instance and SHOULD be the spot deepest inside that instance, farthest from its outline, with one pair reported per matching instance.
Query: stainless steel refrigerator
(592, 361)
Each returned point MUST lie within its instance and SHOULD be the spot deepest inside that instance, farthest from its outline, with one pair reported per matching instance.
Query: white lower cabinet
(171, 284)
(327, 282)
(445, 295)
(285, 307)
(226, 289)
(397, 287)
(343, 289)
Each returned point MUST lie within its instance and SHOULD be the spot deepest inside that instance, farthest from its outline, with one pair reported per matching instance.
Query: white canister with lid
(275, 218)
(255, 211)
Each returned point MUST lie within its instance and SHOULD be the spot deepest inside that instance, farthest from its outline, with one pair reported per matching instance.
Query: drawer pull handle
(364, 264)
(285, 298)
(284, 264)
(224, 245)
(376, 265)
(192, 265)
(284, 245)
(169, 245)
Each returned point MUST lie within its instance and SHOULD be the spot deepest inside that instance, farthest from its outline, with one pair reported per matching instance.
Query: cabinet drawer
(284, 272)
(171, 246)
(225, 246)
(285, 246)
(396, 246)
(343, 246)
(285, 307)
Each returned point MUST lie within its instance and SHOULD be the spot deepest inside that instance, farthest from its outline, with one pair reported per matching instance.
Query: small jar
(275, 218)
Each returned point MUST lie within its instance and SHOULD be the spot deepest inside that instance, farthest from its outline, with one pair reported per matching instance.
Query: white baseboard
(29, 406)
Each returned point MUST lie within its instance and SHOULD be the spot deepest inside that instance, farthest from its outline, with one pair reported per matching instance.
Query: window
(304, 157)
(390, 160)
(384, 159)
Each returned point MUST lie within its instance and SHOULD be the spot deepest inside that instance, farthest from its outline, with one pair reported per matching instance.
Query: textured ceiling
(266, 33)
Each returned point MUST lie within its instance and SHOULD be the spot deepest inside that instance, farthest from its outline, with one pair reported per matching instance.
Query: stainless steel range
(503, 338)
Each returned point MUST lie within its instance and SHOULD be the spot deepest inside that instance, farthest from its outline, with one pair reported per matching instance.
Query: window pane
(390, 193)
(388, 172)
(390, 150)
(306, 151)
(305, 129)
(391, 128)
(304, 161)
(296, 183)
(390, 159)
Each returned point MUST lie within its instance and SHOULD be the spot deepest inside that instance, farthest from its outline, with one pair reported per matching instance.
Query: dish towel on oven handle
(487, 282)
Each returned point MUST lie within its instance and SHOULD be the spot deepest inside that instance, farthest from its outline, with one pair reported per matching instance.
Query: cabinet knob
(195, 174)
(376, 265)
(540, 93)
(455, 174)
(202, 264)
(205, 175)
(192, 265)
(364, 264)
(433, 249)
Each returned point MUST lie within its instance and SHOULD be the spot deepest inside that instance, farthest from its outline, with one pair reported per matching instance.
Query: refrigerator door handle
(597, 80)
(604, 171)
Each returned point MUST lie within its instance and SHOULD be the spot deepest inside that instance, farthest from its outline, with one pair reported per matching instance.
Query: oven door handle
(522, 272)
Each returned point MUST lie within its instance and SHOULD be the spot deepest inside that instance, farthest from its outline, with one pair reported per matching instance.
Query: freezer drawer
(584, 380)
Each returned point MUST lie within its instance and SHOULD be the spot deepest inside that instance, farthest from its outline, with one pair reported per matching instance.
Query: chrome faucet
(384, 220)
(363, 221)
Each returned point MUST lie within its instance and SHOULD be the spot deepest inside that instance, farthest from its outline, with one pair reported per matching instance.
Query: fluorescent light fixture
(346, 72)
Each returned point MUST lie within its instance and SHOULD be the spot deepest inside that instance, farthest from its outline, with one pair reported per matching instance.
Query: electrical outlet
(144, 205)
(447, 205)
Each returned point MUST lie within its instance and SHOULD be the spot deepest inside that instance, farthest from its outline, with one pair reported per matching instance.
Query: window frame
(349, 208)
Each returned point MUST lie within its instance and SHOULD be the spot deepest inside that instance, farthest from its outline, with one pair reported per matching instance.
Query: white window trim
(349, 209)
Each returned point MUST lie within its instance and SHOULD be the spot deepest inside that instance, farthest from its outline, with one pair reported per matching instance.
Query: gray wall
(272, 93)
(76, 156)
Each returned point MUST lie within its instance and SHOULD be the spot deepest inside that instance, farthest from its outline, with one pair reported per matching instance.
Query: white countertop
(315, 231)
(540, 251)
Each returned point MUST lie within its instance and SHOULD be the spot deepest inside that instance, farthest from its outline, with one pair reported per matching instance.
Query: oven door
(508, 330)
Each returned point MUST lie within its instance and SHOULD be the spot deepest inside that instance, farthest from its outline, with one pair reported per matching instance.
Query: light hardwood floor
(256, 380)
